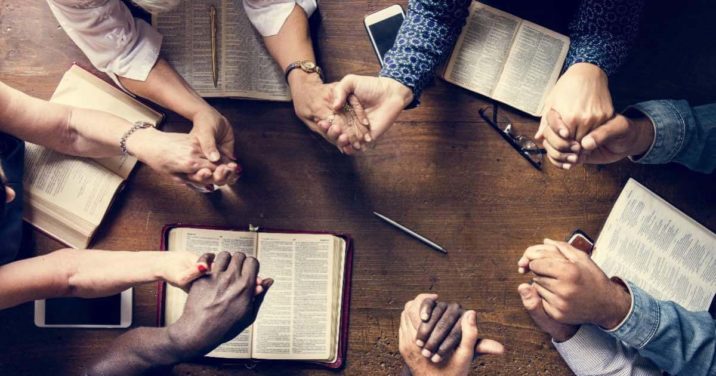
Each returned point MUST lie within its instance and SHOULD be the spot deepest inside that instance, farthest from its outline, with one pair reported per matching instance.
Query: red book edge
(347, 275)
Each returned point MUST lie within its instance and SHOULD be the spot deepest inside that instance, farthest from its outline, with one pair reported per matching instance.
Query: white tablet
(109, 312)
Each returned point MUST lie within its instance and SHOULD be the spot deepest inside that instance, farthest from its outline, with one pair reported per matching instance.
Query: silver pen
(412, 233)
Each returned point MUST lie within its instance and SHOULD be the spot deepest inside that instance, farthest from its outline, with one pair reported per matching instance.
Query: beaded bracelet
(123, 142)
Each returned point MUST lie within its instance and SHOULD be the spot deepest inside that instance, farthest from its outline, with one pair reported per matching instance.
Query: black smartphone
(383, 27)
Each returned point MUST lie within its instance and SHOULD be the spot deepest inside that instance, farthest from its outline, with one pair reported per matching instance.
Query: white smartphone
(383, 27)
(109, 312)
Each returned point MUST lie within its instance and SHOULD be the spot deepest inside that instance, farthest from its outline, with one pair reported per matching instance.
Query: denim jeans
(683, 134)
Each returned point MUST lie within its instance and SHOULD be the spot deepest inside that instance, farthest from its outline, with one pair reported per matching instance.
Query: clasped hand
(205, 156)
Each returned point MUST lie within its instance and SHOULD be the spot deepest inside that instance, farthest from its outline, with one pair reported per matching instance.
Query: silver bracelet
(123, 142)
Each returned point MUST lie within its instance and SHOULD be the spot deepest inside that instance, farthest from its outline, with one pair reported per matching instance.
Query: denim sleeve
(682, 134)
(603, 31)
(427, 35)
(677, 341)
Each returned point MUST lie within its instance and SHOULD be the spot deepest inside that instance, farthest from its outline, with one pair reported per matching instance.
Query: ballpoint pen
(412, 233)
(214, 67)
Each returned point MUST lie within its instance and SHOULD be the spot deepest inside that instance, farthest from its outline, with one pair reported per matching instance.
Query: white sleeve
(268, 16)
(115, 42)
(592, 352)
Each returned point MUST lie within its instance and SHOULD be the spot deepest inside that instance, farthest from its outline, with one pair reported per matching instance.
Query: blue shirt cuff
(670, 120)
(642, 322)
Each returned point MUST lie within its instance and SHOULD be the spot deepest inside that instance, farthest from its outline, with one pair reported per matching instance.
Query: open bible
(660, 249)
(67, 197)
(507, 58)
(304, 317)
(245, 69)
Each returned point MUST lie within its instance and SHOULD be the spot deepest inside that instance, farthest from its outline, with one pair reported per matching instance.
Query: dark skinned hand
(220, 305)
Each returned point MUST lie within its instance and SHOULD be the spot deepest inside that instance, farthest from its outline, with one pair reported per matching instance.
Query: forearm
(602, 33)
(677, 341)
(293, 41)
(138, 351)
(437, 25)
(165, 87)
(79, 273)
(681, 134)
(69, 130)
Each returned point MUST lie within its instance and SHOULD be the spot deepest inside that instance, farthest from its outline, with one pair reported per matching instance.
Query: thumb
(265, 284)
(207, 142)
(342, 90)
(613, 129)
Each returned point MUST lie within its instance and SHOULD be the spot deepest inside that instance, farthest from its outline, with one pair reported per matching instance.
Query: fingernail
(566, 166)
(419, 343)
(426, 353)
(563, 132)
(268, 283)
(201, 268)
(521, 270)
(368, 138)
(424, 317)
(436, 358)
(575, 148)
(214, 156)
(572, 158)
(366, 122)
(524, 293)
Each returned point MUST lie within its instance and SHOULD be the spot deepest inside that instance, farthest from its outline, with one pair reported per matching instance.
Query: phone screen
(78, 311)
(384, 33)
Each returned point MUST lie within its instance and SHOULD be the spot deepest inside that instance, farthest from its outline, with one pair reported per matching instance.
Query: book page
(79, 88)
(200, 241)
(532, 68)
(652, 244)
(482, 49)
(296, 317)
(245, 69)
(78, 186)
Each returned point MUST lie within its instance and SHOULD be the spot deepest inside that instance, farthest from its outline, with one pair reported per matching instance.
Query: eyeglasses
(524, 145)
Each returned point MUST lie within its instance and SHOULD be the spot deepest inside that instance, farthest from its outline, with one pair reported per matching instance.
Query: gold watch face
(308, 66)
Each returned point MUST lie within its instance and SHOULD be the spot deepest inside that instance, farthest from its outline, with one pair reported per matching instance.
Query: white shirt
(593, 352)
(120, 45)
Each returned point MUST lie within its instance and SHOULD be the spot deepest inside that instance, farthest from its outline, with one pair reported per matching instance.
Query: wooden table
(440, 170)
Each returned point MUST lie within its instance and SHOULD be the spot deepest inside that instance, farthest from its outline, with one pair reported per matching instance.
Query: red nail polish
(202, 268)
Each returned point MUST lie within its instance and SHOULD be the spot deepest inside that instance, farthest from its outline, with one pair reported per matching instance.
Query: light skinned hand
(534, 305)
(457, 360)
(216, 140)
(573, 288)
(382, 98)
(582, 102)
(220, 305)
(312, 102)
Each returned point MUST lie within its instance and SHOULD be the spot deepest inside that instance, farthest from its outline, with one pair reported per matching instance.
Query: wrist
(140, 142)
(299, 78)
(565, 333)
(645, 133)
(181, 344)
(587, 69)
(618, 306)
(400, 91)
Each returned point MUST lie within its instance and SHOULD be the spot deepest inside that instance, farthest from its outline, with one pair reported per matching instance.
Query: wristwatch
(307, 66)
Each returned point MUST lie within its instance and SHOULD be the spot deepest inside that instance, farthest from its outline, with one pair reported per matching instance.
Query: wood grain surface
(440, 170)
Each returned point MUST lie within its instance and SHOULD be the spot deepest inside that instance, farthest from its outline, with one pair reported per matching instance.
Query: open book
(305, 314)
(245, 68)
(506, 58)
(660, 249)
(66, 197)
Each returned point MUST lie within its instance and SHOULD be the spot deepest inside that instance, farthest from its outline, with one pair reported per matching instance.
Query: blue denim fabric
(683, 134)
(677, 341)
(11, 220)
(602, 32)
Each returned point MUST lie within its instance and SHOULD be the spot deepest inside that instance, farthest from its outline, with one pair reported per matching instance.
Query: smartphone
(109, 312)
(383, 27)
(580, 240)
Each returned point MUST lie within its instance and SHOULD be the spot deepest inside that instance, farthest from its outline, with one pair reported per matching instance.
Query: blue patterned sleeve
(602, 32)
(423, 42)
